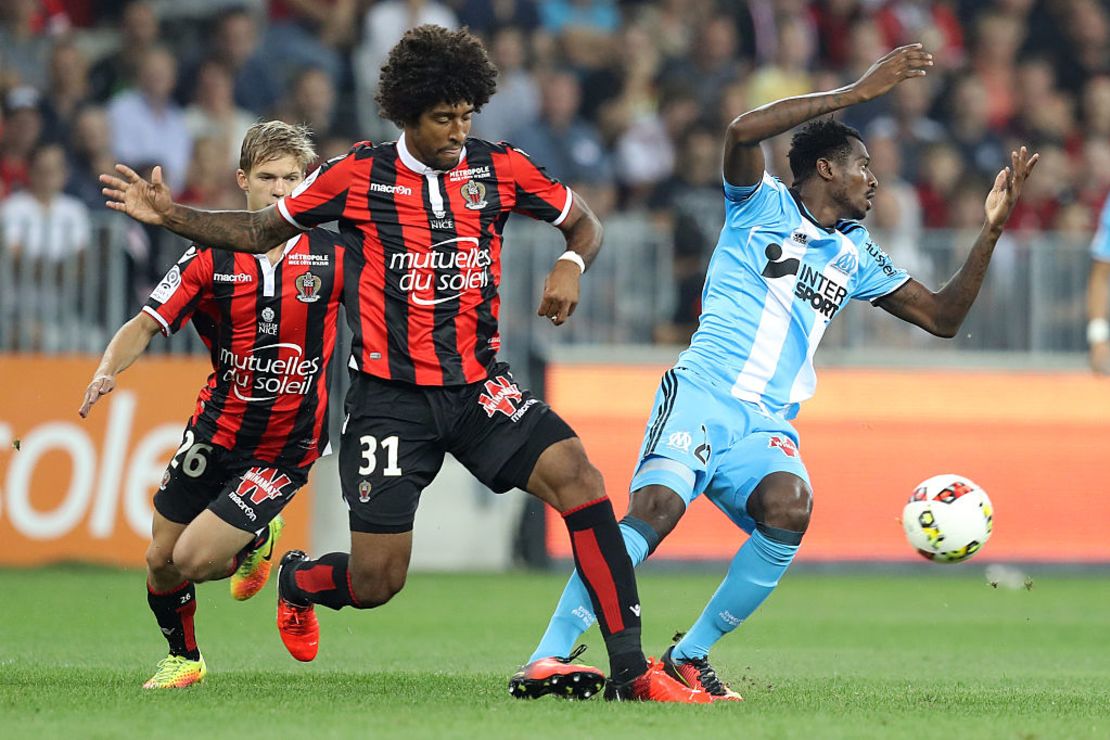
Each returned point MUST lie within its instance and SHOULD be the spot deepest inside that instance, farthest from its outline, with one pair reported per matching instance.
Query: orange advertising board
(1038, 443)
(74, 489)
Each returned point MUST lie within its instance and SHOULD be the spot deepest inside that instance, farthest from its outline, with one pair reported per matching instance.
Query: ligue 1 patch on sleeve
(168, 286)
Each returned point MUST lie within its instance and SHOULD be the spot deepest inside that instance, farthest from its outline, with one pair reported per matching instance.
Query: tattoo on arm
(238, 231)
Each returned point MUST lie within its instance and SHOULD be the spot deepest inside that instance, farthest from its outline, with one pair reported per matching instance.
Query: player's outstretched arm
(129, 342)
(1098, 328)
(743, 159)
(942, 313)
(583, 233)
(151, 203)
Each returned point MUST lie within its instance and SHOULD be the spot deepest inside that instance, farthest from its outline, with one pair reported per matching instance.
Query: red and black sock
(325, 581)
(606, 569)
(174, 610)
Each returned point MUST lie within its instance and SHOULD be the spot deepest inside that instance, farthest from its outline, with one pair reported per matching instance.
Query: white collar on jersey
(415, 164)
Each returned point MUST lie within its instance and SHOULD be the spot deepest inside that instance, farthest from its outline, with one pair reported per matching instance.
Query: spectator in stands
(147, 125)
(236, 45)
(517, 102)
(787, 75)
(67, 92)
(22, 131)
(941, 171)
(90, 153)
(312, 102)
(24, 48)
(209, 182)
(994, 63)
(138, 33)
(585, 29)
(688, 203)
(570, 147)
(213, 114)
(909, 124)
(1095, 104)
(713, 63)
(310, 33)
(486, 17)
(969, 127)
(42, 229)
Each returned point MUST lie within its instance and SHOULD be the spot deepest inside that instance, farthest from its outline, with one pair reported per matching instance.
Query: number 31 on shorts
(369, 445)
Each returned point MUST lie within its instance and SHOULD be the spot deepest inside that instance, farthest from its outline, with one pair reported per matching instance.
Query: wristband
(1098, 331)
(571, 256)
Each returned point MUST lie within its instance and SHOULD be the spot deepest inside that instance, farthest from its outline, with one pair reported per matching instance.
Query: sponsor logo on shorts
(165, 480)
(500, 395)
(364, 489)
(785, 445)
(243, 506)
(262, 484)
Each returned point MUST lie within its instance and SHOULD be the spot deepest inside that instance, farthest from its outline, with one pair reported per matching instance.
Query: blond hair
(267, 140)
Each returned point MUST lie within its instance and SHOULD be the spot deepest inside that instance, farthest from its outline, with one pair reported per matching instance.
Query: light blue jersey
(1100, 245)
(776, 280)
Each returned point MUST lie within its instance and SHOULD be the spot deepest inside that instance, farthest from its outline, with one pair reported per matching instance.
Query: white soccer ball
(948, 518)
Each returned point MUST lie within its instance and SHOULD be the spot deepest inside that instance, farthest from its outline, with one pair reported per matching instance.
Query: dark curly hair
(825, 138)
(431, 65)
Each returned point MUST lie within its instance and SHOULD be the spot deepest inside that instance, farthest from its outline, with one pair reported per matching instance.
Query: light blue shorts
(701, 439)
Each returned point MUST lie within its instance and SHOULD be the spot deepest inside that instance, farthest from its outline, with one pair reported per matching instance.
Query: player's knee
(159, 561)
(372, 589)
(782, 501)
(658, 506)
(197, 565)
(579, 483)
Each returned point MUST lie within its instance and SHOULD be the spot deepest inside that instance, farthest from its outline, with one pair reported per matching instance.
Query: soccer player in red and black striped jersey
(422, 300)
(269, 322)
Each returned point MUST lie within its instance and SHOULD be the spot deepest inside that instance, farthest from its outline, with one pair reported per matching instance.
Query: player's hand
(560, 292)
(1007, 187)
(903, 63)
(101, 385)
(1100, 358)
(148, 202)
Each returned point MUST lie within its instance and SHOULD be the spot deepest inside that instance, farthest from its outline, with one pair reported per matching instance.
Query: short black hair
(431, 65)
(825, 138)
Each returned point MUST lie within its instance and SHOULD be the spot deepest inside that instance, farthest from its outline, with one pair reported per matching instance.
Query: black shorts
(395, 436)
(244, 492)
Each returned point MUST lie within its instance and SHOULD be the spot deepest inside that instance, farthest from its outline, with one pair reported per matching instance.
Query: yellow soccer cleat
(251, 575)
(177, 672)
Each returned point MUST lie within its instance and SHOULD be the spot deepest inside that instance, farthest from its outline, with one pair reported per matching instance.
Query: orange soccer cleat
(655, 685)
(697, 673)
(297, 625)
(557, 676)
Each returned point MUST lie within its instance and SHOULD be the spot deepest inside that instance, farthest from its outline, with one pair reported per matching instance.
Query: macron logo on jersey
(377, 187)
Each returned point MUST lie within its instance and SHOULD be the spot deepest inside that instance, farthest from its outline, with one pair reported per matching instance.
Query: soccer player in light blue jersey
(787, 261)
(1098, 296)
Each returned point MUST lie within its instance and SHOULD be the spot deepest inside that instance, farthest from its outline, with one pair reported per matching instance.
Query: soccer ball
(948, 518)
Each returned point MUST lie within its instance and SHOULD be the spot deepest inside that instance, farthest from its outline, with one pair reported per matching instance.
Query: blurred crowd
(625, 100)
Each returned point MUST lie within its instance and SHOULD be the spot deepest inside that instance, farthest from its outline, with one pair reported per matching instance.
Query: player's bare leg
(564, 478)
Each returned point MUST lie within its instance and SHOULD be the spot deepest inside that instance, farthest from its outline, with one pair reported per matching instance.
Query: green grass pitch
(922, 653)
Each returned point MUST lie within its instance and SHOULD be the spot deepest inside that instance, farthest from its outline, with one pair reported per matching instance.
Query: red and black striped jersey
(271, 333)
(422, 298)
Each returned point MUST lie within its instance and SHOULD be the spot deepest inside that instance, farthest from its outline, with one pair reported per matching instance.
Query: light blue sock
(574, 613)
(753, 575)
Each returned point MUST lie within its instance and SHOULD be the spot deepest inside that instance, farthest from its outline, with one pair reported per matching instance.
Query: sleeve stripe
(284, 211)
(566, 209)
(902, 282)
(158, 317)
